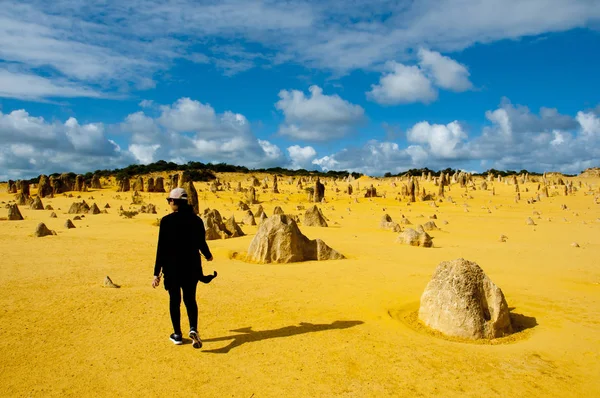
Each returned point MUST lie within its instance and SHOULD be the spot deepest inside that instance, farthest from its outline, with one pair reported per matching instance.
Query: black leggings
(189, 299)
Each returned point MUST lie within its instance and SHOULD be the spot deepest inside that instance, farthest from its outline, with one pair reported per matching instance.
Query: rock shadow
(521, 322)
(247, 335)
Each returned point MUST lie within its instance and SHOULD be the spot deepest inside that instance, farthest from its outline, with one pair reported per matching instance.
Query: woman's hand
(156, 281)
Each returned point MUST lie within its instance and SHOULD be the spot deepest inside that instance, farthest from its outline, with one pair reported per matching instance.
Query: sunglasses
(169, 200)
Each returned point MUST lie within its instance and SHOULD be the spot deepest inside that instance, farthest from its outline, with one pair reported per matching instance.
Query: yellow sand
(315, 329)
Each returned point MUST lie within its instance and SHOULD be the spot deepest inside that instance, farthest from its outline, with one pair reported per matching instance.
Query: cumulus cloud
(518, 138)
(187, 115)
(514, 138)
(34, 145)
(443, 141)
(301, 157)
(373, 158)
(445, 72)
(401, 85)
(318, 117)
(191, 130)
(590, 124)
(183, 131)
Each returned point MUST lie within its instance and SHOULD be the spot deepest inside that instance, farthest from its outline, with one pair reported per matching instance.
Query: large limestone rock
(319, 192)
(123, 185)
(159, 185)
(462, 301)
(388, 223)
(150, 185)
(67, 183)
(79, 183)
(184, 177)
(37, 204)
(44, 187)
(79, 208)
(371, 192)
(275, 187)
(96, 182)
(23, 186)
(42, 230)
(138, 184)
(172, 182)
(94, 209)
(259, 211)
(262, 218)
(313, 217)
(21, 199)
(249, 218)
(278, 210)
(251, 196)
(214, 225)
(69, 224)
(415, 238)
(430, 226)
(14, 214)
(279, 240)
(192, 196)
(233, 228)
(411, 190)
(11, 187)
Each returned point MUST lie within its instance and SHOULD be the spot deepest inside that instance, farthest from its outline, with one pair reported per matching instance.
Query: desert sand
(344, 328)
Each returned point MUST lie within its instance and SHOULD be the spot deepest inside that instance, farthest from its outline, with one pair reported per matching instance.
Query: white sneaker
(197, 343)
(177, 339)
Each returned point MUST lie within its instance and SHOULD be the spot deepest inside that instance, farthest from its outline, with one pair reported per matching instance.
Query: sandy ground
(316, 329)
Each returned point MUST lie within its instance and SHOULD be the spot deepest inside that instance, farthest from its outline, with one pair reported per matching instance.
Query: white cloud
(318, 117)
(27, 86)
(444, 141)
(146, 103)
(187, 115)
(112, 46)
(302, 157)
(590, 124)
(272, 151)
(326, 163)
(515, 139)
(402, 85)
(144, 153)
(374, 158)
(87, 139)
(445, 72)
(34, 146)
(190, 130)
(519, 139)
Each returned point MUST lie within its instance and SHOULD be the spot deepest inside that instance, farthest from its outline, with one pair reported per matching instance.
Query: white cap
(178, 193)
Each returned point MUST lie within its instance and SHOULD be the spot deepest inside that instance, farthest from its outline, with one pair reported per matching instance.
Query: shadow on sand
(247, 335)
(521, 322)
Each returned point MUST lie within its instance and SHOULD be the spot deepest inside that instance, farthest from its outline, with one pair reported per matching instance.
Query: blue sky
(367, 86)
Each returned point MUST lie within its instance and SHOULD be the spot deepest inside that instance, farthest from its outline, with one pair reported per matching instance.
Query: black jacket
(180, 238)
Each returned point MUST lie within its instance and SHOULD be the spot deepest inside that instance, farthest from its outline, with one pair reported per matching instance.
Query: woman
(180, 238)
